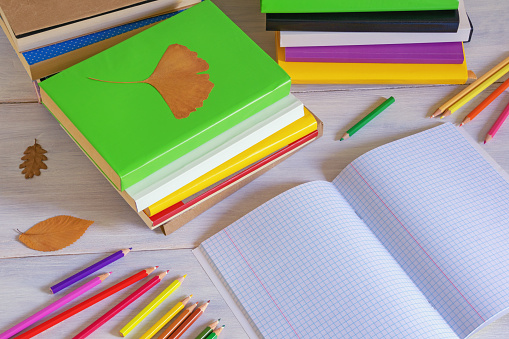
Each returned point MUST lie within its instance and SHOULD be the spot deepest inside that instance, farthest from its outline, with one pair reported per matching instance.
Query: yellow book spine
(371, 73)
(276, 141)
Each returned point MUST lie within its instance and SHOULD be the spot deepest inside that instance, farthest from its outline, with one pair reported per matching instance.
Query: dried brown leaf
(176, 78)
(55, 233)
(33, 160)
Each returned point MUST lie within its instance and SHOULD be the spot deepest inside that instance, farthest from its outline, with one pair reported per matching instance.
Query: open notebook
(408, 241)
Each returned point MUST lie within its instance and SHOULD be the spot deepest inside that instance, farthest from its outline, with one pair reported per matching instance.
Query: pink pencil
(120, 306)
(500, 120)
(53, 307)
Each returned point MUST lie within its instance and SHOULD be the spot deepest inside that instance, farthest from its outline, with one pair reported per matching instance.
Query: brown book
(34, 23)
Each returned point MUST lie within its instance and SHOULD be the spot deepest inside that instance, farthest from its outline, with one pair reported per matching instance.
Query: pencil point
(208, 302)
(156, 266)
(345, 136)
(130, 248)
(437, 112)
(341, 139)
(184, 276)
(110, 272)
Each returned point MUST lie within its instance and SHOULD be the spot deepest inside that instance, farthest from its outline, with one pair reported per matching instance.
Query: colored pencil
(165, 318)
(207, 330)
(86, 304)
(469, 88)
(88, 271)
(120, 306)
(216, 333)
(500, 120)
(178, 320)
(152, 306)
(368, 118)
(485, 103)
(473, 93)
(54, 306)
(189, 321)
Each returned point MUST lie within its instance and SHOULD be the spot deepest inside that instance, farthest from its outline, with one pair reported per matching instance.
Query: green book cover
(158, 95)
(328, 6)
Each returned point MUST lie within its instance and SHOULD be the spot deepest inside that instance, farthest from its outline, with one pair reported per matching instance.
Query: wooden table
(73, 186)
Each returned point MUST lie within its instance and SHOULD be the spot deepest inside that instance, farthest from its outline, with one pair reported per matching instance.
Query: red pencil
(120, 306)
(189, 321)
(86, 304)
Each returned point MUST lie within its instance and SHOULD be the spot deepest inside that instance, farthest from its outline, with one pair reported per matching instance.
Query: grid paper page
(303, 265)
(442, 211)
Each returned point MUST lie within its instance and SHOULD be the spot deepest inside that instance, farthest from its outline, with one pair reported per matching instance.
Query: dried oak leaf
(55, 233)
(176, 78)
(33, 160)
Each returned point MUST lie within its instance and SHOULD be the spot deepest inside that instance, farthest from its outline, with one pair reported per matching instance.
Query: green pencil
(216, 333)
(368, 118)
(207, 330)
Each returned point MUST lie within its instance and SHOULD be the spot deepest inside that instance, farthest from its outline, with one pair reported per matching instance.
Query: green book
(147, 101)
(327, 6)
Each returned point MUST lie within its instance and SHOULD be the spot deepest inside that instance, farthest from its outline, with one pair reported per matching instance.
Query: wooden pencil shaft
(150, 307)
(119, 307)
(474, 92)
(500, 89)
(182, 328)
(88, 271)
(207, 330)
(473, 85)
(52, 308)
(85, 304)
(176, 323)
(163, 321)
(370, 116)
(498, 123)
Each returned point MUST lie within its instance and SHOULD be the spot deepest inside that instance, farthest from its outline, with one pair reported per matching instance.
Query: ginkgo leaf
(33, 160)
(176, 77)
(55, 233)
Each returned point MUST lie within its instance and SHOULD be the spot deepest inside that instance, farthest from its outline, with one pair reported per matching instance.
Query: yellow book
(371, 73)
(276, 141)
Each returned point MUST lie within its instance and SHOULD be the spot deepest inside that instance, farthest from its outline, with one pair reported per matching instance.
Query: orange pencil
(179, 320)
(485, 102)
(189, 321)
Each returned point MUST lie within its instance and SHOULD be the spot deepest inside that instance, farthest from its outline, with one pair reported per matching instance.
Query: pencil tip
(208, 302)
(190, 296)
(184, 276)
(461, 124)
(110, 272)
(341, 139)
(130, 248)
(167, 271)
(156, 266)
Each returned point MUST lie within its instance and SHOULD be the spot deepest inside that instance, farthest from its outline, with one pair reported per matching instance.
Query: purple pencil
(89, 270)
(53, 307)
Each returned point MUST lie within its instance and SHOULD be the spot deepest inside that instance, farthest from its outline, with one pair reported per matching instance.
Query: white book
(205, 158)
(307, 39)
(408, 241)
(98, 23)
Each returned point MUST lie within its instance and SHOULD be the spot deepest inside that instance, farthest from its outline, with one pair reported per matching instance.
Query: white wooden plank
(24, 290)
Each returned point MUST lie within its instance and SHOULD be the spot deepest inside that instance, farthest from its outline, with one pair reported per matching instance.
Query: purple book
(429, 53)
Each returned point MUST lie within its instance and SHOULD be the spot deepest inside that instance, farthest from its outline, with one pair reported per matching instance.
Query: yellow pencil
(469, 88)
(166, 318)
(152, 306)
(476, 91)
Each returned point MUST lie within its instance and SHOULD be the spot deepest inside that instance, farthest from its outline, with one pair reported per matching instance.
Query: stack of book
(49, 36)
(180, 115)
(365, 41)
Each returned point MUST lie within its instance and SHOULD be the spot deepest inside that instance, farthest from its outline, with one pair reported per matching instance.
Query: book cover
(371, 73)
(281, 138)
(417, 21)
(432, 53)
(314, 38)
(33, 24)
(208, 77)
(375, 247)
(327, 6)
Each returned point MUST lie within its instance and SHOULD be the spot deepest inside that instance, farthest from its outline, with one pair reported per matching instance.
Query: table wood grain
(73, 186)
